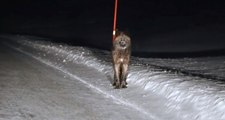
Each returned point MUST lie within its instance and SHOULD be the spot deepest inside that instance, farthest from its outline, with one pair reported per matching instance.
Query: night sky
(157, 27)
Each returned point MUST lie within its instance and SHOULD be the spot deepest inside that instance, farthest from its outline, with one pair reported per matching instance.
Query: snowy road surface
(47, 81)
(32, 90)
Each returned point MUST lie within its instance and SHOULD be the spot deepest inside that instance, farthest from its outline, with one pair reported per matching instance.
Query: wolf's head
(122, 41)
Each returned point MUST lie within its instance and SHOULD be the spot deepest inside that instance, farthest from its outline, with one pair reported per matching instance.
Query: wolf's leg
(124, 75)
(117, 75)
(114, 79)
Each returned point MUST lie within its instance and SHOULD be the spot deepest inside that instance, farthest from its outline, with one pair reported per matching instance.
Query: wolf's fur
(121, 57)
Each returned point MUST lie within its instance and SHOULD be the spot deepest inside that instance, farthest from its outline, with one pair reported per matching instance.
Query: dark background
(159, 28)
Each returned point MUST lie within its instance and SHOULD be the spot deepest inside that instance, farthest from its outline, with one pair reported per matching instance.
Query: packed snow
(154, 92)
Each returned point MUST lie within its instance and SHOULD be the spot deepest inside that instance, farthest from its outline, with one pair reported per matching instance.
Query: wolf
(121, 52)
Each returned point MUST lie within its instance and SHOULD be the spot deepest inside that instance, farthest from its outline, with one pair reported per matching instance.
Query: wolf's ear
(127, 32)
(117, 32)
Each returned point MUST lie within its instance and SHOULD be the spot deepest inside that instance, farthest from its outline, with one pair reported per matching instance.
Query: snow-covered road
(32, 90)
(43, 80)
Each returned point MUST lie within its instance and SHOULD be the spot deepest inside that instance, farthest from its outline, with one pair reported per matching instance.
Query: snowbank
(160, 94)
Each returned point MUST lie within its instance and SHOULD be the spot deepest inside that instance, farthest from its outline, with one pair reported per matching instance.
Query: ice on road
(44, 80)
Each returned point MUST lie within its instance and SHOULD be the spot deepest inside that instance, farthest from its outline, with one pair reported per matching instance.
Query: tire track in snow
(184, 72)
(189, 73)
